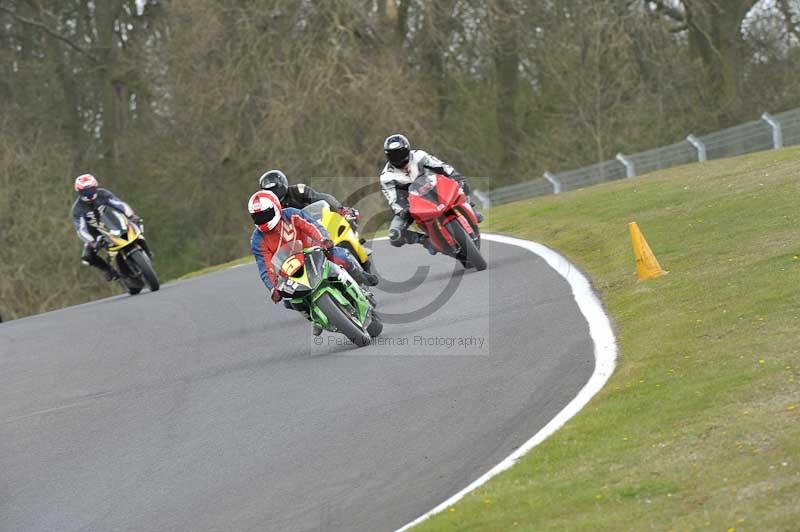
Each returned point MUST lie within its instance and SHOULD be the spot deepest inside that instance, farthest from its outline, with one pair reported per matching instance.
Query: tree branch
(671, 12)
(786, 12)
(44, 28)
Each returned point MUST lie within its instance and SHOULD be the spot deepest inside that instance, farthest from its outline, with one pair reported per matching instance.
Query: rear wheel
(470, 254)
(142, 262)
(133, 290)
(127, 279)
(131, 284)
(376, 326)
(342, 321)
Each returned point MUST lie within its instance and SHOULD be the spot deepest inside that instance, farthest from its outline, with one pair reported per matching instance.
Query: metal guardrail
(771, 132)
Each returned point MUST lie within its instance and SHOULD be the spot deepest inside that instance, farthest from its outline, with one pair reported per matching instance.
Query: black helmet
(397, 150)
(275, 181)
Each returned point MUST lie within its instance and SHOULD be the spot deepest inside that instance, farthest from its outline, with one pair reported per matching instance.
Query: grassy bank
(218, 267)
(699, 428)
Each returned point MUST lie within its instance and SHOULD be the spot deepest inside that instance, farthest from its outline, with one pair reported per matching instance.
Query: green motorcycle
(333, 300)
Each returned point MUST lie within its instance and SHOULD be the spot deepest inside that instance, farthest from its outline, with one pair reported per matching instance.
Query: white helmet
(265, 209)
(86, 187)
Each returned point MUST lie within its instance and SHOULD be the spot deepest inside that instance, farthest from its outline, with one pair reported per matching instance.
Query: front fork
(146, 247)
(124, 252)
(444, 235)
(347, 293)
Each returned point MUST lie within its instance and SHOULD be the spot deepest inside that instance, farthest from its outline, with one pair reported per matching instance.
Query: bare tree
(715, 37)
(181, 107)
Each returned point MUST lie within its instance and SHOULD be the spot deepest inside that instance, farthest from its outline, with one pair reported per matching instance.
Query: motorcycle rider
(403, 166)
(276, 226)
(300, 195)
(86, 214)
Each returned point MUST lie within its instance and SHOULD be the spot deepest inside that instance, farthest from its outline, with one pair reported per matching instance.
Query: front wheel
(469, 250)
(342, 321)
(143, 264)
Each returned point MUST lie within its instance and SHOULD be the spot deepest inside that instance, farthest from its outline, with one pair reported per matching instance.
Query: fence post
(630, 168)
(554, 180)
(698, 144)
(777, 133)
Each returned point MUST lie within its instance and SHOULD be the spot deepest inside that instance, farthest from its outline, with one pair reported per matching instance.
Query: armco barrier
(771, 131)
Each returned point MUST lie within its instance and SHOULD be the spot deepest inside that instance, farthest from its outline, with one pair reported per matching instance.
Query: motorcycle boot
(478, 215)
(90, 257)
(316, 330)
(423, 239)
(362, 277)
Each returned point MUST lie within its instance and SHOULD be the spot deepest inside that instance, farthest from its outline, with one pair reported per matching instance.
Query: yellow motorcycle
(128, 252)
(341, 232)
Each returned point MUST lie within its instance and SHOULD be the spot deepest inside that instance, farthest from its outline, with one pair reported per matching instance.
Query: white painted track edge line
(605, 353)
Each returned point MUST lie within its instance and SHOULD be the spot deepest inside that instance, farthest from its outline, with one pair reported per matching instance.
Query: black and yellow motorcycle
(128, 252)
(342, 233)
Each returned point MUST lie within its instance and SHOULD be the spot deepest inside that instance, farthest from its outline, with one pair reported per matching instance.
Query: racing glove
(327, 248)
(350, 213)
(275, 296)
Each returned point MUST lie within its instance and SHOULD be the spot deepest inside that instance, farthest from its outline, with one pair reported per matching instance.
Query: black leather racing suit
(300, 196)
(85, 216)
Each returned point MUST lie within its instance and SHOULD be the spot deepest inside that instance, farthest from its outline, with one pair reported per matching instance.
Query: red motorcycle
(439, 207)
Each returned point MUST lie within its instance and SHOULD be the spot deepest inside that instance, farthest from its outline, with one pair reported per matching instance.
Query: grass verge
(216, 268)
(699, 427)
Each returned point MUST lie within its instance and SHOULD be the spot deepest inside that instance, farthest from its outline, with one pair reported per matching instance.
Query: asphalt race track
(204, 407)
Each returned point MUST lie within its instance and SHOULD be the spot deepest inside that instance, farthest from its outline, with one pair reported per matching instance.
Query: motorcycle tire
(132, 285)
(142, 262)
(376, 326)
(470, 251)
(342, 321)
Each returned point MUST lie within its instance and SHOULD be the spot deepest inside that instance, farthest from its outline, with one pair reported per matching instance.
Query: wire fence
(771, 132)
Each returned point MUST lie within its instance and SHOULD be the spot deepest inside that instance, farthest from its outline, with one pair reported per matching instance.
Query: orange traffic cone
(647, 266)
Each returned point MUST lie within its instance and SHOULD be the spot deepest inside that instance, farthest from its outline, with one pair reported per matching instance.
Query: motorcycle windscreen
(281, 265)
(113, 222)
(315, 266)
(317, 209)
(423, 184)
(423, 198)
(448, 191)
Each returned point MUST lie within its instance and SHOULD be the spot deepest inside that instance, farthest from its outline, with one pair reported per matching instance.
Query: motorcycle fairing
(436, 200)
